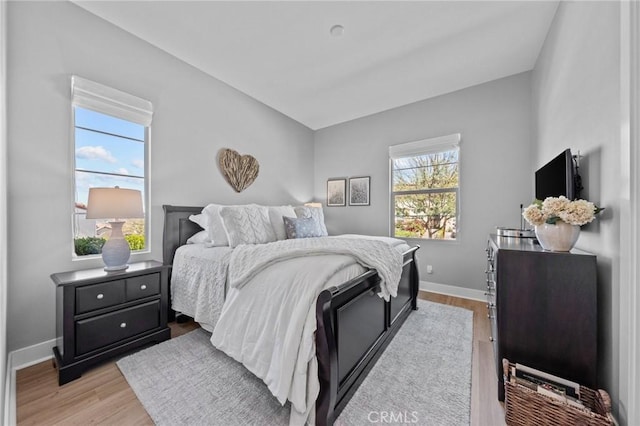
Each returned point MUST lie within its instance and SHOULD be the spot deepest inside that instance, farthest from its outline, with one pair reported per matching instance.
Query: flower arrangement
(553, 209)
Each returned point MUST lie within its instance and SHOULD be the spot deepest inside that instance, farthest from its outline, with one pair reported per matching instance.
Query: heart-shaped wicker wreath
(239, 170)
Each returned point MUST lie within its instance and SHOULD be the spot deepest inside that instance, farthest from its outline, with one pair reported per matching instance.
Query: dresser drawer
(96, 332)
(92, 297)
(146, 285)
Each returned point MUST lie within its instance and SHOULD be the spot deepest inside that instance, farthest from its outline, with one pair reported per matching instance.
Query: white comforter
(268, 320)
(198, 282)
(248, 260)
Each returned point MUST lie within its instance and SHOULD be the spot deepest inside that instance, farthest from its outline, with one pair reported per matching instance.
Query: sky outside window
(108, 152)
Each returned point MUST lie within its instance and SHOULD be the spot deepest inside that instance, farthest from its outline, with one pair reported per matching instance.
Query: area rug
(423, 377)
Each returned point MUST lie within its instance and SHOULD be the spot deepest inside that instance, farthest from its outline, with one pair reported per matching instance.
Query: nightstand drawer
(94, 333)
(143, 286)
(91, 297)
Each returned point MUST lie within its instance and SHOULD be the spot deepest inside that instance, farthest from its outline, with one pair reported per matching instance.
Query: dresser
(101, 314)
(543, 309)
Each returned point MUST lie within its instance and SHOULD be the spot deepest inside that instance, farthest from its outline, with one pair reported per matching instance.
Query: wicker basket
(524, 406)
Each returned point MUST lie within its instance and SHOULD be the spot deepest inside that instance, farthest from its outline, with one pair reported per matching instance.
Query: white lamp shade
(114, 203)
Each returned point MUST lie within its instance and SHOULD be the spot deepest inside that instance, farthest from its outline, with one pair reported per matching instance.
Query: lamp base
(116, 251)
(116, 268)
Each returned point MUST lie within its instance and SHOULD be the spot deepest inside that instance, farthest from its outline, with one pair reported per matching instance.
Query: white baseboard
(34, 354)
(452, 290)
(17, 360)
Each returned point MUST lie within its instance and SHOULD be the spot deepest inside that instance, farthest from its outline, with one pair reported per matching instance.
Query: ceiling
(392, 53)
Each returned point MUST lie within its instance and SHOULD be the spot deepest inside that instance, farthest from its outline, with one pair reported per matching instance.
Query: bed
(353, 324)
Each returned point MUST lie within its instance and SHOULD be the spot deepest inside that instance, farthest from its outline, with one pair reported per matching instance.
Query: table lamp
(117, 204)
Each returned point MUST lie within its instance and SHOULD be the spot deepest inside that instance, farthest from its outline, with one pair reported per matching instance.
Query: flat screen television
(558, 177)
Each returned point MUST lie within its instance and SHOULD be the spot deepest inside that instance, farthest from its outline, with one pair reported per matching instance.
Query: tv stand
(543, 309)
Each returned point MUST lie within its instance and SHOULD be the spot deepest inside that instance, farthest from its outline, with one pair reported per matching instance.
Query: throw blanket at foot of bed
(249, 260)
(268, 321)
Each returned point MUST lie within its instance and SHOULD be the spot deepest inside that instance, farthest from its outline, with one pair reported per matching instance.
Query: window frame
(415, 149)
(93, 96)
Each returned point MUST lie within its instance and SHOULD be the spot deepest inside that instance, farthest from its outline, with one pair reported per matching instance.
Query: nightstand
(101, 314)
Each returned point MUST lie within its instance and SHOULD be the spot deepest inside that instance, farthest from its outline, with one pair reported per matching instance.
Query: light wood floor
(102, 395)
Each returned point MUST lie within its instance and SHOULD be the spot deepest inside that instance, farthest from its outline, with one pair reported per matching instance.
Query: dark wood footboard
(354, 327)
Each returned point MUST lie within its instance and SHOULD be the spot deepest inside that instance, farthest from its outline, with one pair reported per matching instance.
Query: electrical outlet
(429, 269)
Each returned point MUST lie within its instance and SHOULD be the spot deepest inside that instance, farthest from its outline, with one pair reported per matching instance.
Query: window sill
(428, 240)
(93, 258)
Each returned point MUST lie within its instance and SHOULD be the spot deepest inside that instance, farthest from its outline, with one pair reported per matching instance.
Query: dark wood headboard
(177, 229)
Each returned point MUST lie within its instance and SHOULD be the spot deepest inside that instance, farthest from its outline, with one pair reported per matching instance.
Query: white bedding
(268, 323)
(249, 260)
(198, 282)
(199, 279)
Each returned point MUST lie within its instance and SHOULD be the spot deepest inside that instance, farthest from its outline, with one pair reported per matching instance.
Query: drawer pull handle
(143, 287)
(100, 296)
(123, 325)
(491, 338)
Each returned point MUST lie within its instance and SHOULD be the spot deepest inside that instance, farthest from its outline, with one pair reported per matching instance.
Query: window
(111, 146)
(425, 188)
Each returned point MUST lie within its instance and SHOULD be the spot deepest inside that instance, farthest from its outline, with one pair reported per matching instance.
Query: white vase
(558, 237)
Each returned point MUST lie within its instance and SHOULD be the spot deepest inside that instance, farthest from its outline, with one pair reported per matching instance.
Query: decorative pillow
(247, 225)
(316, 214)
(215, 227)
(199, 237)
(302, 227)
(276, 213)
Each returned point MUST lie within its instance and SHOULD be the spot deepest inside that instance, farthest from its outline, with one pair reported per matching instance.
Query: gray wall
(576, 104)
(494, 120)
(195, 116)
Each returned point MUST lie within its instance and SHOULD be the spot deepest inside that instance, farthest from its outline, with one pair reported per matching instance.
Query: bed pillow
(316, 214)
(202, 236)
(247, 225)
(200, 219)
(301, 227)
(276, 213)
(215, 227)
(199, 238)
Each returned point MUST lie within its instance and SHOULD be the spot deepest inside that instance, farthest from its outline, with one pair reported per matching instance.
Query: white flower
(533, 215)
(552, 209)
(579, 212)
(552, 206)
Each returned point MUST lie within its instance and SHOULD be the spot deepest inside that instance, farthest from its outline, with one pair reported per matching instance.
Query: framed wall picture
(336, 192)
(359, 191)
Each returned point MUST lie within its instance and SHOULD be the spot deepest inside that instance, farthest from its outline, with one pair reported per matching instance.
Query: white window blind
(97, 97)
(425, 146)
